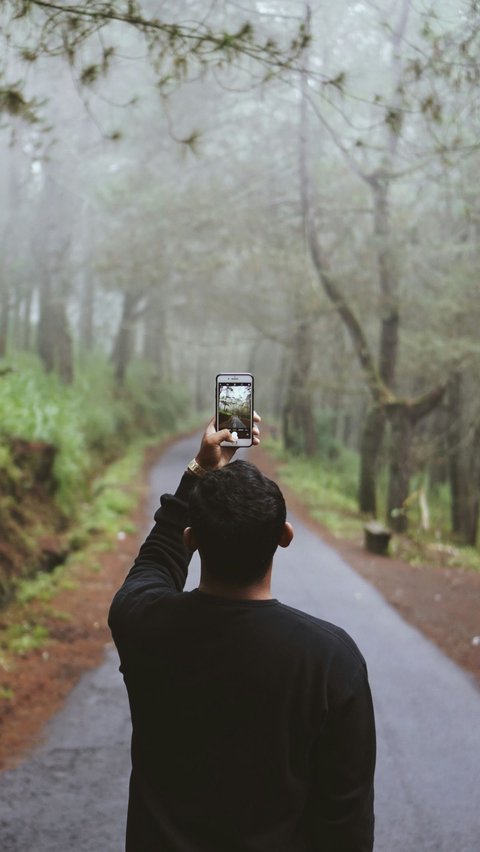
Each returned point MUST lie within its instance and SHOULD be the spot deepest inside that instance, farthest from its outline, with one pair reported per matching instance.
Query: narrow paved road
(71, 793)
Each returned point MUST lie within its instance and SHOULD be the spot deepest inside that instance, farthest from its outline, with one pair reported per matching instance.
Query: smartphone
(234, 406)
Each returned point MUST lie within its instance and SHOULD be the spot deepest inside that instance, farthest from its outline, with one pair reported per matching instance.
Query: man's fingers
(210, 430)
(212, 441)
(224, 435)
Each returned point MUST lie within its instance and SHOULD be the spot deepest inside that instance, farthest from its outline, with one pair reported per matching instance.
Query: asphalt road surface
(71, 793)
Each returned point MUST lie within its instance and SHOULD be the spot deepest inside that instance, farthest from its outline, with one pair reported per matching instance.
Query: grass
(328, 488)
(6, 694)
(89, 422)
(42, 587)
(25, 636)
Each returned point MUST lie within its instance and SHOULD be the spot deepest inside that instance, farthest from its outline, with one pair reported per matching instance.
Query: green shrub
(90, 422)
(159, 406)
(103, 413)
(36, 406)
(328, 445)
(24, 637)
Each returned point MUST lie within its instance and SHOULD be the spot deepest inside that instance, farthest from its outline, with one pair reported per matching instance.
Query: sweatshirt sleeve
(341, 807)
(161, 566)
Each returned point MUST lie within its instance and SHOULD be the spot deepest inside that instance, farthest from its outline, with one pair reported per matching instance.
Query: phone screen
(234, 404)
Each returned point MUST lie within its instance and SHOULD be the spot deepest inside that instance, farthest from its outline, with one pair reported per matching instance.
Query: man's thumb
(226, 435)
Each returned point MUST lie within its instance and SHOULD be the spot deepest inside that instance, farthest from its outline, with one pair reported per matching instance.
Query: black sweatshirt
(253, 726)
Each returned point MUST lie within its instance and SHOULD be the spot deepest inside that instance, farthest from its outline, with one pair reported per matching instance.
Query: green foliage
(394, 119)
(158, 406)
(37, 407)
(114, 495)
(14, 104)
(41, 587)
(26, 636)
(112, 500)
(327, 444)
(438, 499)
(465, 557)
(7, 465)
(328, 488)
(106, 419)
(89, 423)
(6, 694)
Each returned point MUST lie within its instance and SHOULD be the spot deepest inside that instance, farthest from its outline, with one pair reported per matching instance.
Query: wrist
(196, 469)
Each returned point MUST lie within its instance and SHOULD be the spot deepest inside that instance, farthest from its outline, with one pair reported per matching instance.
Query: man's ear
(287, 535)
(190, 539)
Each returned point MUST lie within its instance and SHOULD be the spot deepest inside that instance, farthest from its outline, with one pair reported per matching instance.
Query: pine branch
(200, 41)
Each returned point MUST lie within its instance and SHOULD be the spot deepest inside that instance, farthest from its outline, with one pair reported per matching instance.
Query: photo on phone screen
(235, 405)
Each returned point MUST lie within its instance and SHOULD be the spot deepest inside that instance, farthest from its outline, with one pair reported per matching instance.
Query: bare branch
(424, 404)
(377, 388)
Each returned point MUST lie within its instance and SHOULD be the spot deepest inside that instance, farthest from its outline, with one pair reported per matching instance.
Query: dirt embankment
(31, 523)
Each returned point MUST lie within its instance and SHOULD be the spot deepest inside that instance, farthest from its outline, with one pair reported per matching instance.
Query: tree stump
(377, 537)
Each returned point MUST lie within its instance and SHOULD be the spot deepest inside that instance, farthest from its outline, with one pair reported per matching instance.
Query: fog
(310, 215)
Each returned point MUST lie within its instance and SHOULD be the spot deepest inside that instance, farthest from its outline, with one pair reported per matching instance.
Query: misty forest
(273, 187)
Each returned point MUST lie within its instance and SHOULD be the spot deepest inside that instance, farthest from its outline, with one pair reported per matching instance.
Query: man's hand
(211, 456)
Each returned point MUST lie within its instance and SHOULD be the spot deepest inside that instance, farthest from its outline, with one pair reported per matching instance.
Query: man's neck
(259, 591)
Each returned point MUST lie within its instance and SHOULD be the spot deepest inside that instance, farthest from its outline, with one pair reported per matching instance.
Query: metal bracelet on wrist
(196, 469)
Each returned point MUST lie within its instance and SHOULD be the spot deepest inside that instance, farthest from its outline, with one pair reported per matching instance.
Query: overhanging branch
(200, 38)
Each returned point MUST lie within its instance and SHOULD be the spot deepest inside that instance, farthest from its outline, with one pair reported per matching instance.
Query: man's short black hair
(237, 516)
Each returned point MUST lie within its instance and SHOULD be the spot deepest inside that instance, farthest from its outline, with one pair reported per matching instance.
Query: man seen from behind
(253, 727)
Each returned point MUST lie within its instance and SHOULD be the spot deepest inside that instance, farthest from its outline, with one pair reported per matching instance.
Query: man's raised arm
(161, 566)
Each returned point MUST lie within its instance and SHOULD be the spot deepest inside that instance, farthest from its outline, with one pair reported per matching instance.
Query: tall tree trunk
(123, 346)
(374, 428)
(475, 502)
(388, 279)
(454, 436)
(401, 433)
(463, 468)
(155, 341)
(45, 330)
(4, 315)
(372, 439)
(379, 183)
(26, 337)
(63, 344)
(299, 431)
(86, 280)
(54, 342)
(8, 243)
(279, 392)
(87, 301)
(53, 237)
(403, 417)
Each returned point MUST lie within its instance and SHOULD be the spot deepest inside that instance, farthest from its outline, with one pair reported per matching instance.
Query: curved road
(71, 793)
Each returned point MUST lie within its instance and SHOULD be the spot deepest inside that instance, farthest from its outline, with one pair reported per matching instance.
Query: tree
(53, 243)
(463, 465)
(8, 245)
(401, 413)
(86, 35)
